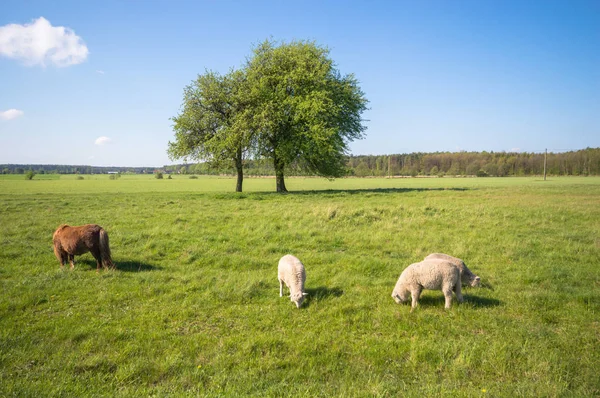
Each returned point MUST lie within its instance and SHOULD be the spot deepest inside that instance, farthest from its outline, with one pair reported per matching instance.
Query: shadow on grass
(320, 293)
(266, 194)
(476, 301)
(370, 190)
(125, 266)
(359, 191)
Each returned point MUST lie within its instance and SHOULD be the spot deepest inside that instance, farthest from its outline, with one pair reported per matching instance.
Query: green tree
(303, 110)
(210, 128)
(29, 175)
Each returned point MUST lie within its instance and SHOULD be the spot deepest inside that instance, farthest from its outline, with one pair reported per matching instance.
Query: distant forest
(497, 164)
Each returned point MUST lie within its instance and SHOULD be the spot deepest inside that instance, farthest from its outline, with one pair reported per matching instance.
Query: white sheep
(291, 272)
(431, 275)
(466, 276)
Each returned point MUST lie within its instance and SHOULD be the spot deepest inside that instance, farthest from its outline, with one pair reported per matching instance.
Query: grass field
(194, 308)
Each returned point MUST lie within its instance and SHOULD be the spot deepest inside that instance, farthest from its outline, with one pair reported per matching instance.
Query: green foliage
(114, 176)
(80, 178)
(193, 177)
(211, 127)
(158, 175)
(29, 175)
(303, 109)
(194, 308)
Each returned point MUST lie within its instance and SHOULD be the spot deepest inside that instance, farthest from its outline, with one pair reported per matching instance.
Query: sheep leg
(448, 296)
(458, 292)
(415, 293)
(280, 288)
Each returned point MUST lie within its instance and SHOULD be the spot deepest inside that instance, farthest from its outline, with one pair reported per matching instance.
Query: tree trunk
(240, 171)
(279, 165)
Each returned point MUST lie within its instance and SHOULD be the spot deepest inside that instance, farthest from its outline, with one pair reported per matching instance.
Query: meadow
(193, 308)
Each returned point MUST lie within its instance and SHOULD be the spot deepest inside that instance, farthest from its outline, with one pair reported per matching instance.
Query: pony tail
(105, 250)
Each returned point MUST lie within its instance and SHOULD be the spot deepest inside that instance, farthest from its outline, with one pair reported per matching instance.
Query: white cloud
(515, 149)
(100, 72)
(40, 43)
(11, 114)
(102, 140)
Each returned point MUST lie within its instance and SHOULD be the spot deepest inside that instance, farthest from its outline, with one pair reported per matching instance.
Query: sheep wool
(466, 276)
(431, 275)
(291, 272)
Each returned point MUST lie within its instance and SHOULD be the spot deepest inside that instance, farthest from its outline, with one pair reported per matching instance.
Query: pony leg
(61, 256)
(72, 260)
(96, 253)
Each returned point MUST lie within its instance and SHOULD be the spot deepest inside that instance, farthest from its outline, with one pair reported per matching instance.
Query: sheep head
(298, 298)
(401, 297)
(475, 281)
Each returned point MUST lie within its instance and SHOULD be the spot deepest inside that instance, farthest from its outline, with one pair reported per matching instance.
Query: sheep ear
(305, 294)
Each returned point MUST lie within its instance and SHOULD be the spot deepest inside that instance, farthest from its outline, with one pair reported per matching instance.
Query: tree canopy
(210, 127)
(288, 104)
(303, 109)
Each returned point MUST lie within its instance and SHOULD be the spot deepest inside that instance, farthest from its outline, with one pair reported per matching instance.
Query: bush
(158, 175)
(482, 173)
(29, 175)
(169, 177)
(193, 177)
(80, 177)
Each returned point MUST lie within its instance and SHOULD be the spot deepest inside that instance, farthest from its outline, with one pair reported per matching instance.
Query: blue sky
(440, 75)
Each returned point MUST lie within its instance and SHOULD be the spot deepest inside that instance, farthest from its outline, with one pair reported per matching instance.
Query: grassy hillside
(194, 308)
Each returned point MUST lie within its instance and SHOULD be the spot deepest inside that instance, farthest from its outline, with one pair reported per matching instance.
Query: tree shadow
(360, 191)
(125, 266)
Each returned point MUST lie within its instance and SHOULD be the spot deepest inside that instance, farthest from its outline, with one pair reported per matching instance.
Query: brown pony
(74, 241)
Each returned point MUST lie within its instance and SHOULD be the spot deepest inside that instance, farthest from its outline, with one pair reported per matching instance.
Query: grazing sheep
(431, 275)
(291, 272)
(466, 276)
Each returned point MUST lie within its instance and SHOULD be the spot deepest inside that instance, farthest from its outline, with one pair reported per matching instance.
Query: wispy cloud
(102, 140)
(40, 43)
(100, 72)
(515, 149)
(11, 114)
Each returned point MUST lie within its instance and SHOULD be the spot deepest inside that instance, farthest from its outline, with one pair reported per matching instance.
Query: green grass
(194, 307)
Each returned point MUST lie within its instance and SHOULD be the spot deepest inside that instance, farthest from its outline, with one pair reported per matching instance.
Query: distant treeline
(500, 164)
(578, 163)
(69, 169)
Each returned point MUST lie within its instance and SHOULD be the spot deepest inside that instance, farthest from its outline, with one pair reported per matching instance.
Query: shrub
(80, 177)
(169, 177)
(158, 175)
(193, 177)
(29, 175)
(482, 173)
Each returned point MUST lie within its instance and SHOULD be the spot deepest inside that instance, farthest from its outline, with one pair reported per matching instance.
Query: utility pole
(545, 156)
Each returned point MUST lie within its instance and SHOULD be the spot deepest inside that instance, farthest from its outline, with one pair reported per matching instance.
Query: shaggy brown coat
(74, 241)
